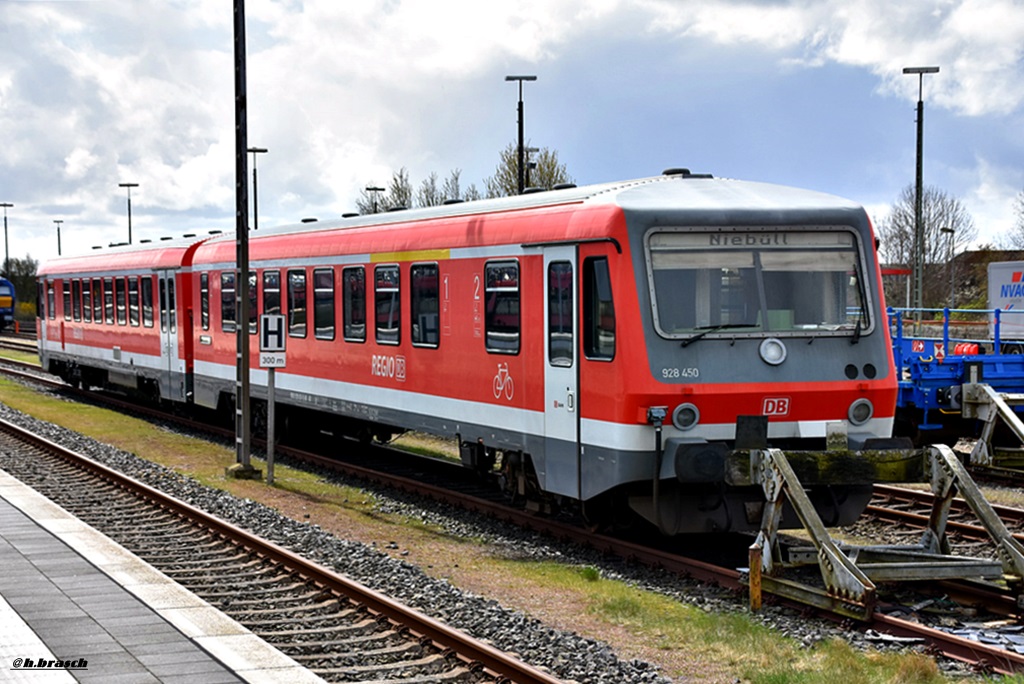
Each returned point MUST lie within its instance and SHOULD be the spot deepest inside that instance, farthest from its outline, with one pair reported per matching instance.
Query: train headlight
(686, 416)
(773, 351)
(860, 412)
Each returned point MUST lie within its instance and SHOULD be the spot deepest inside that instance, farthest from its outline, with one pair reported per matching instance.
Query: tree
(544, 171)
(22, 274)
(940, 212)
(398, 195)
(1015, 239)
(429, 195)
(400, 192)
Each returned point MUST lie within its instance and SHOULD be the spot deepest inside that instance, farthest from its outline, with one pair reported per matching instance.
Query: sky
(94, 93)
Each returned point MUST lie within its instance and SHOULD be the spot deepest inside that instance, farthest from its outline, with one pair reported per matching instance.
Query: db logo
(775, 406)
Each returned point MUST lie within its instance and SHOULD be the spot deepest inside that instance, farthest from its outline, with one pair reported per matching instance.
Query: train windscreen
(782, 282)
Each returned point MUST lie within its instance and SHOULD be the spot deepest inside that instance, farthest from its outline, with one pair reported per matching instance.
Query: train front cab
(785, 418)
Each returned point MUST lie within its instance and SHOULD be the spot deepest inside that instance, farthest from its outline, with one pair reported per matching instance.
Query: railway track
(18, 344)
(470, 497)
(337, 628)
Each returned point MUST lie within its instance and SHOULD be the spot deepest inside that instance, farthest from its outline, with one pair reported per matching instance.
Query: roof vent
(564, 186)
(453, 200)
(189, 235)
(215, 232)
(534, 190)
(310, 219)
(145, 241)
(97, 246)
(685, 173)
(166, 237)
(350, 214)
(398, 208)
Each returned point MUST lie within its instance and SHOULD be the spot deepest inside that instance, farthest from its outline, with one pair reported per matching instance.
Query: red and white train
(597, 345)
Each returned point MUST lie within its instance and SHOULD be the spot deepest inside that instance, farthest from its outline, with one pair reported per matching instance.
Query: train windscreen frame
(787, 282)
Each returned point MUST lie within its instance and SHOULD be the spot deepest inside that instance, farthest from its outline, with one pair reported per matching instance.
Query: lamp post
(255, 192)
(521, 165)
(373, 190)
(952, 267)
(128, 187)
(7, 254)
(58, 222)
(918, 228)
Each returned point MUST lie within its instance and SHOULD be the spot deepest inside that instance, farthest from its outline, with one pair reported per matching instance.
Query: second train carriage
(120, 317)
(601, 343)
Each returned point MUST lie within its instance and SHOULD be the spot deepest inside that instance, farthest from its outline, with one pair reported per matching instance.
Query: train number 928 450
(677, 373)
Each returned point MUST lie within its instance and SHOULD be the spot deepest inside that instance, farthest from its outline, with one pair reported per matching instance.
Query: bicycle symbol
(503, 382)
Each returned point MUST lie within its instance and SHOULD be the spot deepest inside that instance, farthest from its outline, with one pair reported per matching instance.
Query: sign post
(272, 355)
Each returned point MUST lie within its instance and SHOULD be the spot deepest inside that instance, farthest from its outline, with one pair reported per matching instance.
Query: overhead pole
(7, 253)
(243, 436)
(918, 266)
(128, 187)
(521, 167)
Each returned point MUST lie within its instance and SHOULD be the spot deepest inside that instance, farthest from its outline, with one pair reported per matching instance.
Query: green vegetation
(729, 643)
(15, 355)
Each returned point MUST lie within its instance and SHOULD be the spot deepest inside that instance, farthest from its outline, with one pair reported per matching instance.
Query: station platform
(75, 606)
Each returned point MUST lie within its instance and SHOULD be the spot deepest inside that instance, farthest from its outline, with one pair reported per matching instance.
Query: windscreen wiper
(708, 329)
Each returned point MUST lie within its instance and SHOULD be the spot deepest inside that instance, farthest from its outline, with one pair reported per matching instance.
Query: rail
(474, 652)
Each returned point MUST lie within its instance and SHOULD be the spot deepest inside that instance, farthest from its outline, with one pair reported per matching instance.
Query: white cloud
(92, 94)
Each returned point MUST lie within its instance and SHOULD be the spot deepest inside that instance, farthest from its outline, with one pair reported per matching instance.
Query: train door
(561, 368)
(168, 335)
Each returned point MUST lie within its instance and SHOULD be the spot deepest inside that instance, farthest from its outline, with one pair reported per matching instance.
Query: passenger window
(87, 300)
(66, 296)
(560, 334)
(354, 294)
(598, 310)
(204, 301)
(108, 301)
(120, 299)
(172, 312)
(323, 303)
(296, 303)
(501, 307)
(425, 300)
(97, 300)
(387, 303)
(163, 305)
(147, 300)
(227, 301)
(272, 292)
(133, 301)
(253, 298)
(76, 299)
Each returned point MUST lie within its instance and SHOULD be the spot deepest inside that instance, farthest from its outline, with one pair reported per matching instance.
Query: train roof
(162, 254)
(674, 191)
(677, 194)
